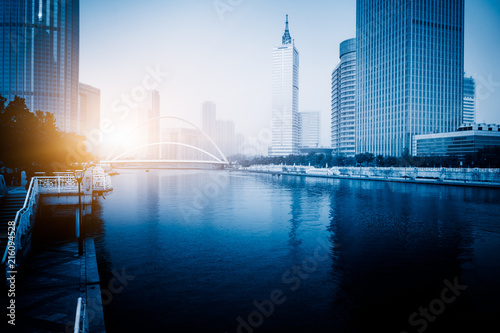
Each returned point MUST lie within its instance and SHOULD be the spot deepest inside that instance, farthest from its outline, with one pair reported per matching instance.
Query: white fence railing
(22, 222)
(65, 182)
(81, 320)
(455, 174)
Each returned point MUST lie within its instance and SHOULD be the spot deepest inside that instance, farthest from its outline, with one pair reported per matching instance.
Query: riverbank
(397, 175)
(54, 278)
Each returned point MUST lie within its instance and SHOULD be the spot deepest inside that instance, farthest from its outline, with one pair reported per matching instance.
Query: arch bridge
(214, 160)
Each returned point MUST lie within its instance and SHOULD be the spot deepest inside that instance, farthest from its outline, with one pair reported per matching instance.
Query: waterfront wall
(438, 174)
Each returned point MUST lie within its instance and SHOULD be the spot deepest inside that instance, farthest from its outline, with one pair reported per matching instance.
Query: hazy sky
(222, 51)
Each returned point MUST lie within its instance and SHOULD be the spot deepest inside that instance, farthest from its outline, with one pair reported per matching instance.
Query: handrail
(81, 321)
(22, 221)
(3, 186)
(78, 315)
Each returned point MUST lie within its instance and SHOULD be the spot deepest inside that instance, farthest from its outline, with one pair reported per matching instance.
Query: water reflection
(205, 245)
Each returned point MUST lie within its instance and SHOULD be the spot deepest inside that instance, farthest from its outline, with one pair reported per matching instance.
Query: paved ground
(47, 294)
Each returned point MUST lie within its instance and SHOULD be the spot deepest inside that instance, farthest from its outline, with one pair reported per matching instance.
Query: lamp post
(79, 231)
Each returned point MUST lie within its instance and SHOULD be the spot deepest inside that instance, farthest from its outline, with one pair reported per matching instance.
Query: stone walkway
(51, 283)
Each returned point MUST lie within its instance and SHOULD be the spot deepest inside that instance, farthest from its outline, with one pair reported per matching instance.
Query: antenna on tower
(286, 39)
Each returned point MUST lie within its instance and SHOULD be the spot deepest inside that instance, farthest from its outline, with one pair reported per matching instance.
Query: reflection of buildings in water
(396, 244)
(153, 196)
(305, 203)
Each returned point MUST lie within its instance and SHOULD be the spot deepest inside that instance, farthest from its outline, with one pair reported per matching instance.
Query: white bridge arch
(217, 160)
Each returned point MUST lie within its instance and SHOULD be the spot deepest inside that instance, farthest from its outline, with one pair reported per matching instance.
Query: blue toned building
(468, 139)
(39, 56)
(309, 129)
(410, 65)
(285, 113)
(343, 100)
(469, 111)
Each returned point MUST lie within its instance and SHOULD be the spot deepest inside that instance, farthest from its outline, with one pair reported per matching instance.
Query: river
(219, 251)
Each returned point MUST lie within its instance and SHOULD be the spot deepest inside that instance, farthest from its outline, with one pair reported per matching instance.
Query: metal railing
(24, 218)
(62, 183)
(65, 182)
(3, 187)
(81, 322)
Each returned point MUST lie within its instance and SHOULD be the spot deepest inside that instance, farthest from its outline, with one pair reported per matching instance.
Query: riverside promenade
(47, 292)
(52, 286)
(489, 178)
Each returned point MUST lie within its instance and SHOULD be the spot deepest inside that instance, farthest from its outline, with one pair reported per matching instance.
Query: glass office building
(469, 139)
(89, 116)
(285, 117)
(469, 108)
(343, 100)
(410, 65)
(39, 56)
(309, 129)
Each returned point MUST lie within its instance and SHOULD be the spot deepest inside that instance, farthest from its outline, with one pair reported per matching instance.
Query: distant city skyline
(228, 60)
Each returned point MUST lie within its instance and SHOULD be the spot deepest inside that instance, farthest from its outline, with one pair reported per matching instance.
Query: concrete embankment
(489, 178)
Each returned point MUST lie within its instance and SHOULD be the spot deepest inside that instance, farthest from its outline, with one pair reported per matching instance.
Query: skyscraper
(285, 119)
(209, 118)
(410, 65)
(152, 109)
(469, 111)
(39, 57)
(89, 116)
(309, 129)
(344, 100)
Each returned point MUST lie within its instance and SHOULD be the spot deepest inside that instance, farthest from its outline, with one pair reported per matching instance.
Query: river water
(219, 251)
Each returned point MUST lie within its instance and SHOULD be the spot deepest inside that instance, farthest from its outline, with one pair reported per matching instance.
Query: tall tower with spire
(286, 39)
(285, 112)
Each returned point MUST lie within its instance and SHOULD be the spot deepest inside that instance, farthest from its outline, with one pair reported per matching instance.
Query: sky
(221, 51)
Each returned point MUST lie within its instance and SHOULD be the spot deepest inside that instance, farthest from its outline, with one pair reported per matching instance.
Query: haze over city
(250, 166)
(222, 52)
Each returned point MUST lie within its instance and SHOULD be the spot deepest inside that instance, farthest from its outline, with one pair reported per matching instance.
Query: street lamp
(79, 232)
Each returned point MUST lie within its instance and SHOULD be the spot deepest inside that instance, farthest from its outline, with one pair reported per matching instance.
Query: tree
(380, 160)
(360, 158)
(391, 161)
(338, 160)
(369, 158)
(31, 141)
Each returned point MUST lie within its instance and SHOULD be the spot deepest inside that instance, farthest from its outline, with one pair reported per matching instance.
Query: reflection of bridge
(214, 160)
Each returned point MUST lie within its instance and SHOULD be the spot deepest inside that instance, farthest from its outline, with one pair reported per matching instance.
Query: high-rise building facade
(222, 132)
(344, 101)
(309, 129)
(285, 119)
(410, 65)
(469, 108)
(39, 57)
(151, 108)
(89, 116)
(209, 115)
